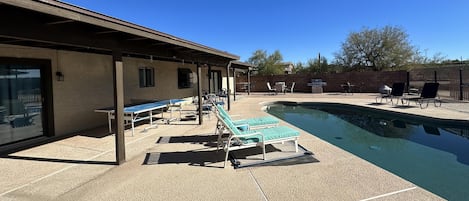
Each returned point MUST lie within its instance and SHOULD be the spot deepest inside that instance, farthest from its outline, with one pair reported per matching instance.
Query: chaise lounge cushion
(279, 132)
(257, 121)
(252, 122)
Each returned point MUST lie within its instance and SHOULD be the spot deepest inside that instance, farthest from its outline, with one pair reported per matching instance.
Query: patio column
(209, 78)
(234, 84)
(228, 85)
(199, 90)
(118, 77)
(249, 81)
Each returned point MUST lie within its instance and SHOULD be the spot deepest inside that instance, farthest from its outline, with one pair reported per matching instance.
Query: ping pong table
(135, 113)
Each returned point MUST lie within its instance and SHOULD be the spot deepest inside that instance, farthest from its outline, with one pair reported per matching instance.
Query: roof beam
(106, 32)
(138, 38)
(60, 22)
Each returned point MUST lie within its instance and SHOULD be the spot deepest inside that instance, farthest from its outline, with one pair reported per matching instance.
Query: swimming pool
(433, 154)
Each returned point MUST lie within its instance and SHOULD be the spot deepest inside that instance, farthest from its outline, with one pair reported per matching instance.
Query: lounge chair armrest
(243, 127)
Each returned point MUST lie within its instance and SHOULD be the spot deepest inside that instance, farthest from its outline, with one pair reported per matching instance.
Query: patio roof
(243, 65)
(58, 25)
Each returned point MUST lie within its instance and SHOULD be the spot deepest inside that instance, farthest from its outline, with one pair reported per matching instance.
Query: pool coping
(443, 121)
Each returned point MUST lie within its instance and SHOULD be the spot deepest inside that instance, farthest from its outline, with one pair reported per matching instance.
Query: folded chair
(397, 91)
(271, 90)
(291, 88)
(239, 139)
(429, 93)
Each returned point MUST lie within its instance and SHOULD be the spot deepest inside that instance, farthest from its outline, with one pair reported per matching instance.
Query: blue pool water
(432, 154)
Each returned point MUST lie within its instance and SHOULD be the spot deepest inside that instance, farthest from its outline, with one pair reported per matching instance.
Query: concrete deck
(81, 167)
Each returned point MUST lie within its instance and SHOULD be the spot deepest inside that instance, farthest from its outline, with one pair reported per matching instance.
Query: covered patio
(88, 54)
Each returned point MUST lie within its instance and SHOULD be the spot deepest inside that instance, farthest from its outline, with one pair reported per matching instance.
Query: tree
(258, 58)
(299, 68)
(318, 66)
(267, 64)
(422, 59)
(376, 49)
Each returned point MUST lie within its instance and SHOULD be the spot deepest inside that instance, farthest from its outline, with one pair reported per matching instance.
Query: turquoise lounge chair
(241, 139)
(250, 123)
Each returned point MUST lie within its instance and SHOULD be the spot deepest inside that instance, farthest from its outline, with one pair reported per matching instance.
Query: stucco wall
(166, 82)
(88, 84)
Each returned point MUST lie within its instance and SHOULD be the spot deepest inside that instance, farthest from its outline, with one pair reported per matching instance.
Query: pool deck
(80, 167)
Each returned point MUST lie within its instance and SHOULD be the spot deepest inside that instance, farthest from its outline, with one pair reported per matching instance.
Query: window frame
(146, 77)
(186, 74)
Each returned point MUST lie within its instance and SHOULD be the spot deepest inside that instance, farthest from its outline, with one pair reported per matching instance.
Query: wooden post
(460, 85)
(199, 90)
(209, 79)
(228, 85)
(118, 77)
(249, 81)
(234, 84)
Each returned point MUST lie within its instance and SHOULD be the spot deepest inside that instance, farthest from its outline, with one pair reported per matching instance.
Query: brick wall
(364, 81)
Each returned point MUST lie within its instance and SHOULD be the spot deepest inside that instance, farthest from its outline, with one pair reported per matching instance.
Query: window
(184, 78)
(146, 77)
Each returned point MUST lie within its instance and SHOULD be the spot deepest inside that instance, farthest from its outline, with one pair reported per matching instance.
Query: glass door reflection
(21, 107)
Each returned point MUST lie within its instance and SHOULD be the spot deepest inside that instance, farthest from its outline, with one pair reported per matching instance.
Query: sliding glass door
(22, 112)
(215, 86)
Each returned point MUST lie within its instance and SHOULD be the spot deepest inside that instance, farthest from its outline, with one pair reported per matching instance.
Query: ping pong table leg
(133, 123)
(151, 118)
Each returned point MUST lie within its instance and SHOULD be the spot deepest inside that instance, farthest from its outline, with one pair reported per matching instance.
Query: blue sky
(299, 29)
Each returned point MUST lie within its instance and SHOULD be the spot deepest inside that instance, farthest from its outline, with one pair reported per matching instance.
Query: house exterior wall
(88, 84)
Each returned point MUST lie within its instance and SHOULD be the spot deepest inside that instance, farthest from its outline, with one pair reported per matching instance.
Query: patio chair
(271, 90)
(429, 93)
(173, 107)
(239, 139)
(291, 88)
(397, 91)
(206, 107)
(347, 87)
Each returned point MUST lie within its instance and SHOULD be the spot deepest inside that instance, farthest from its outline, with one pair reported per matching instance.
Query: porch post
(234, 84)
(199, 89)
(249, 81)
(209, 78)
(228, 85)
(118, 77)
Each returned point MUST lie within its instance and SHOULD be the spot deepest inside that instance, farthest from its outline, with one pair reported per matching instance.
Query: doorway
(25, 99)
(216, 85)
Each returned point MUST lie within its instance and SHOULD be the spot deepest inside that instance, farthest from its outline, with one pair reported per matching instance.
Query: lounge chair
(16, 113)
(397, 91)
(291, 88)
(243, 124)
(249, 123)
(429, 93)
(239, 139)
(271, 90)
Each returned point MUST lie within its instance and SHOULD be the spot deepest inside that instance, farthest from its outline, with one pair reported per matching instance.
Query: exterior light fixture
(60, 76)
